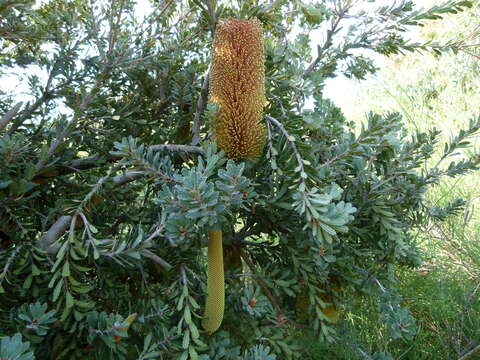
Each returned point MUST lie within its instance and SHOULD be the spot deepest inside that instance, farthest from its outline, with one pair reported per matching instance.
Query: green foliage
(105, 327)
(13, 348)
(259, 353)
(35, 319)
(105, 205)
(442, 92)
(400, 322)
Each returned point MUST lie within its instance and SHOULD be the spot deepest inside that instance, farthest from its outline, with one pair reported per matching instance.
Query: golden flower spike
(237, 86)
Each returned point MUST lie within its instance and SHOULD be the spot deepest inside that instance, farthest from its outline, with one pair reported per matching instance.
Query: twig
(156, 233)
(291, 140)
(91, 240)
(201, 104)
(47, 94)
(252, 243)
(270, 7)
(54, 233)
(61, 138)
(61, 225)
(472, 352)
(67, 221)
(130, 64)
(468, 303)
(165, 8)
(85, 163)
(27, 112)
(127, 177)
(288, 136)
(213, 17)
(471, 53)
(9, 115)
(202, 99)
(10, 260)
(162, 76)
(239, 237)
(183, 275)
(328, 41)
(97, 187)
(96, 160)
(178, 148)
(112, 36)
(157, 259)
(262, 284)
(95, 31)
(107, 66)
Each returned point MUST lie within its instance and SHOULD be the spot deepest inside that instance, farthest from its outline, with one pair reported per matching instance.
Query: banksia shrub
(237, 86)
(101, 235)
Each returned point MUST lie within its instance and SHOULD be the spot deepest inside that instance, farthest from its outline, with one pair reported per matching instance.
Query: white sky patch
(142, 8)
(342, 90)
(15, 80)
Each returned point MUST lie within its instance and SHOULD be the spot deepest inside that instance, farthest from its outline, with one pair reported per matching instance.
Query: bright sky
(335, 89)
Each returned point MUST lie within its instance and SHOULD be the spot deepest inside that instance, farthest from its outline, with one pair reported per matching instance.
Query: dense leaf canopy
(110, 179)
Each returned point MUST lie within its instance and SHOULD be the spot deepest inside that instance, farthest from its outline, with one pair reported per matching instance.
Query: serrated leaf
(186, 339)
(69, 300)
(66, 269)
(56, 291)
(193, 353)
(184, 355)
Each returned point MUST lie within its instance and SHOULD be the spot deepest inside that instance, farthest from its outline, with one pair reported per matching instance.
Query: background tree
(110, 180)
(441, 91)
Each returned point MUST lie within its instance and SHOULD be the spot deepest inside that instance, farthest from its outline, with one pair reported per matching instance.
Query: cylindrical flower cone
(237, 86)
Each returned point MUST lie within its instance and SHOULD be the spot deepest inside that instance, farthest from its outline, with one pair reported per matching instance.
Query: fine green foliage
(35, 320)
(15, 349)
(106, 198)
(442, 295)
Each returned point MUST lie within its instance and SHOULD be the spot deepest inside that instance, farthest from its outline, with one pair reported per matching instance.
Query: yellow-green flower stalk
(215, 284)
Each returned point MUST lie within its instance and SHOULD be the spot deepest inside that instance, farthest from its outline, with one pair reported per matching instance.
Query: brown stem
(262, 284)
(69, 127)
(54, 233)
(9, 115)
(201, 104)
(469, 354)
(328, 42)
(96, 161)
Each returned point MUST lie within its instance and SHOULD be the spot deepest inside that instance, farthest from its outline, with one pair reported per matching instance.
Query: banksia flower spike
(237, 86)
